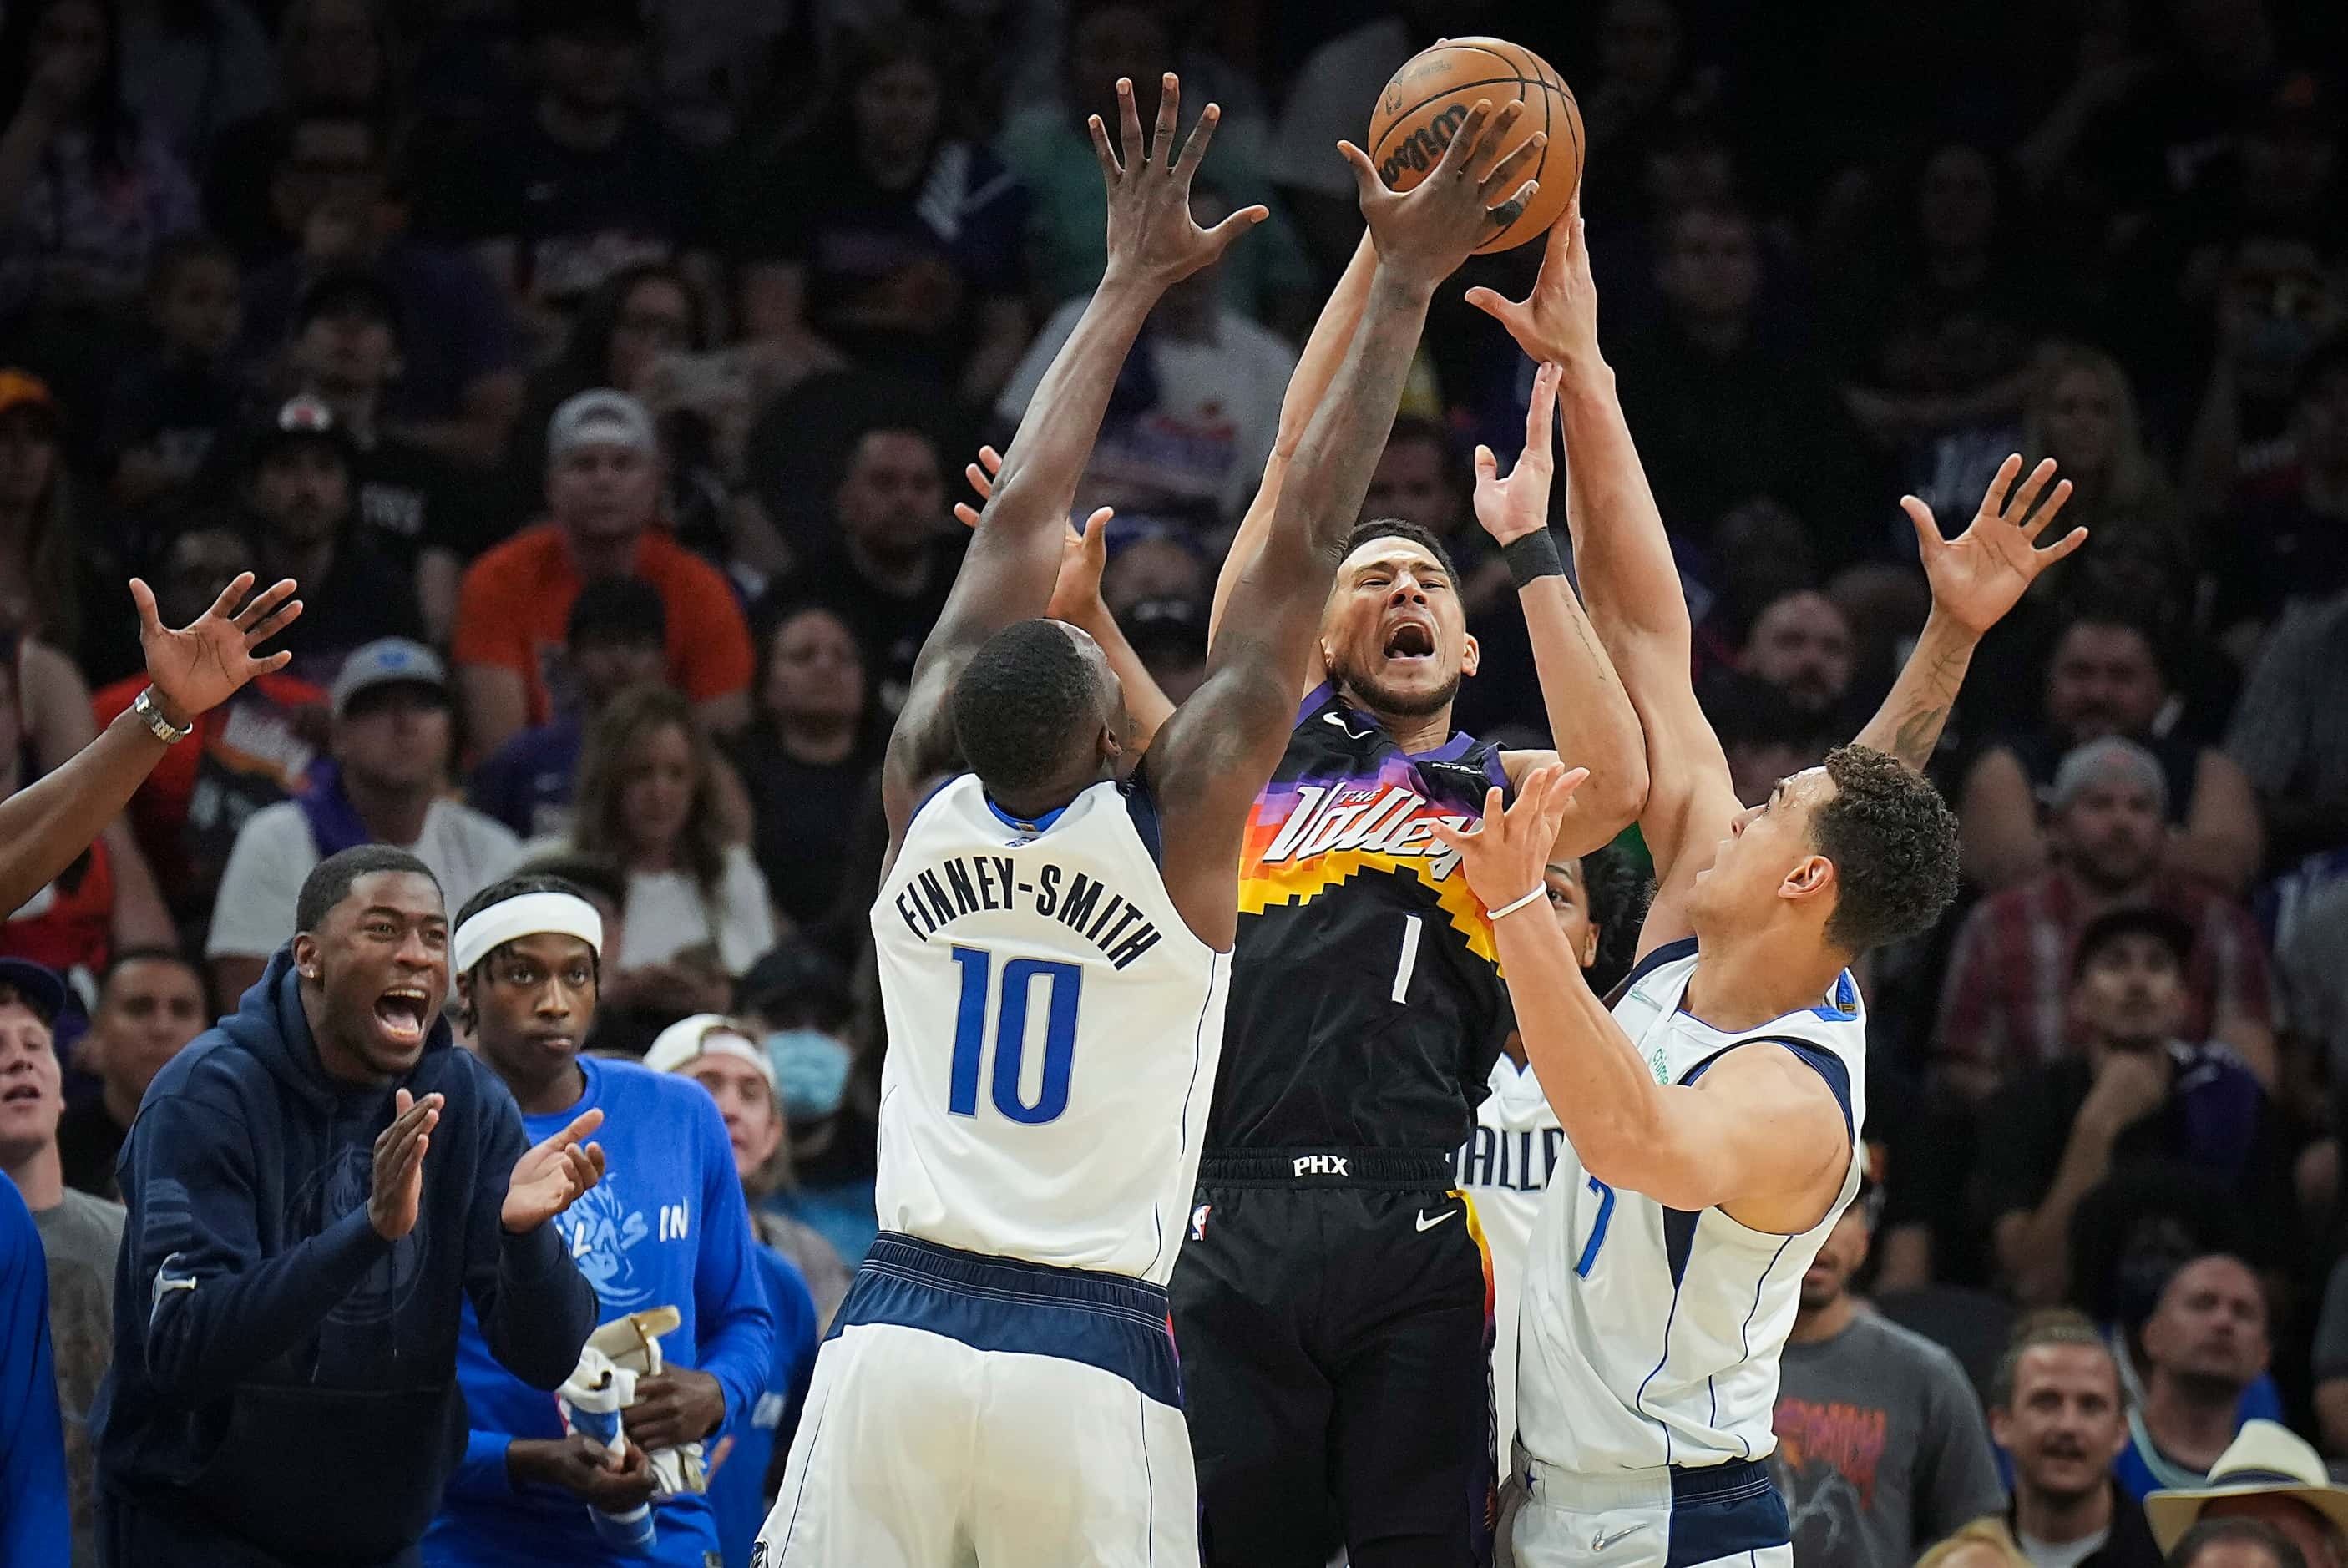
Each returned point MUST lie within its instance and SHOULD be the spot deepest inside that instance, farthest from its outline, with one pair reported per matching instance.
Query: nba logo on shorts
(1198, 1222)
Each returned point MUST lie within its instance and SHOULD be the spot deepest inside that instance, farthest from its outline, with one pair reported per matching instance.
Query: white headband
(525, 914)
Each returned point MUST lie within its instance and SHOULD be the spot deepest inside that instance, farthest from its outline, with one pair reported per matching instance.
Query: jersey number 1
(1064, 982)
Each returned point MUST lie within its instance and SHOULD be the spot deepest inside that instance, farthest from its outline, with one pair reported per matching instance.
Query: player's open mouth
(401, 1012)
(1411, 640)
(20, 1093)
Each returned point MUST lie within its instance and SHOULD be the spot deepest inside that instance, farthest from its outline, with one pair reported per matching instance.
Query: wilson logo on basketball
(1423, 148)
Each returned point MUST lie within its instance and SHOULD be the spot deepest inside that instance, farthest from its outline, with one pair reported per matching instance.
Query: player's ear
(1810, 877)
(1470, 653)
(2001, 1430)
(466, 1014)
(1328, 659)
(1588, 954)
(305, 956)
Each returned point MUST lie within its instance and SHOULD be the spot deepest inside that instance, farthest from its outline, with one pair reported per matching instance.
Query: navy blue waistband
(1114, 1322)
(1719, 1483)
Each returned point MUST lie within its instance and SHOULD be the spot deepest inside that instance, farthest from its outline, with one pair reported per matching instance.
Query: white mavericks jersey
(1053, 1029)
(1651, 1335)
(1504, 1167)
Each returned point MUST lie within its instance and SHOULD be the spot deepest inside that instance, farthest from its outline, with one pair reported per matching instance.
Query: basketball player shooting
(1713, 1116)
(1053, 946)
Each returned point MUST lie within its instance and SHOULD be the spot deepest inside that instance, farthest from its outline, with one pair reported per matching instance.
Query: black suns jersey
(1367, 1004)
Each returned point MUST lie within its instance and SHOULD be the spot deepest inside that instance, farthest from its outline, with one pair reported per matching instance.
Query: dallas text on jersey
(942, 894)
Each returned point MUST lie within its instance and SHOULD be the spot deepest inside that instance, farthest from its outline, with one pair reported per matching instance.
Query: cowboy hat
(2265, 1459)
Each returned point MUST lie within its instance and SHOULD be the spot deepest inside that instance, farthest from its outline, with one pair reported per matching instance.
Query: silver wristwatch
(170, 734)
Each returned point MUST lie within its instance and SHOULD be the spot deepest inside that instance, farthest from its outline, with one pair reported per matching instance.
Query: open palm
(1983, 572)
(203, 664)
(553, 1174)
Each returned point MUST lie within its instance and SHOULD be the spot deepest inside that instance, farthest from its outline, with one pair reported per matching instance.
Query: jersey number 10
(1064, 983)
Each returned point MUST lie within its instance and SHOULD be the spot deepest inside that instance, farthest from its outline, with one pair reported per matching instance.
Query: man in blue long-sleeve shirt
(314, 1186)
(33, 1522)
(669, 1227)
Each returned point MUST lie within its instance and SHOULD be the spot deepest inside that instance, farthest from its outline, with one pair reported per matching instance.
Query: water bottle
(591, 1401)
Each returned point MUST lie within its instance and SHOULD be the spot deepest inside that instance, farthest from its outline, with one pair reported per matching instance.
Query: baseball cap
(389, 661)
(687, 1040)
(600, 417)
(22, 389)
(42, 988)
(302, 417)
(796, 972)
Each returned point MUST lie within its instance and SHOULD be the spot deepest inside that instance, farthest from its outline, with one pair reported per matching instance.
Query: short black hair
(1021, 705)
(517, 886)
(329, 882)
(2173, 931)
(1893, 843)
(1618, 890)
(2235, 1530)
(153, 953)
(1400, 527)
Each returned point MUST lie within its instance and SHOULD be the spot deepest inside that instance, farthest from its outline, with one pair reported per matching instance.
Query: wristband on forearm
(1533, 558)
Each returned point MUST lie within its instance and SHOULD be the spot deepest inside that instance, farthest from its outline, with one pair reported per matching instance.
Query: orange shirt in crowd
(514, 613)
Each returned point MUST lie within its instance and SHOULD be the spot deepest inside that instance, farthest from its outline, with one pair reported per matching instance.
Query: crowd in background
(602, 369)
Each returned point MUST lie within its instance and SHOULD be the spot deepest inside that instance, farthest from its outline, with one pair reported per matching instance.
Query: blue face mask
(810, 1072)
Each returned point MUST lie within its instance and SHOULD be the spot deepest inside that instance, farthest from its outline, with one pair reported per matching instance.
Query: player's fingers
(1169, 104)
(1462, 147)
(980, 479)
(274, 663)
(1562, 789)
(1201, 135)
(1487, 465)
(2061, 547)
(992, 459)
(1102, 151)
(1540, 412)
(2054, 503)
(144, 598)
(1366, 173)
(1239, 223)
(1508, 312)
(1994, 498)
(1506, 212)
(581, 1125)
(966, 514)
(268, 599)
(2027, 496)
(231, 596)
(400, 1103)
(1096, 525)
(275, 623)
(1496, 150)
(1928, 527)
(1508, 170)
(595, 1158)
(1129, 124)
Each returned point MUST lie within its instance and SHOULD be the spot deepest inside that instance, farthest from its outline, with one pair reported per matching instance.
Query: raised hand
(1504, 855)
(551, 1175)
(1979, 575)
(204, 663)
(1151, 237)
(1468, 197)
(1518, 505)
(1557, 323)
(1084, 554)
(396, 1193)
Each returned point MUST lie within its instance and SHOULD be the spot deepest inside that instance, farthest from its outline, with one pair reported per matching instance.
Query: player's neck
(2043, 1516)
(1816, 1327)
(560, 1091)
(1414, 732)
(1744, 979)
(40, 1177)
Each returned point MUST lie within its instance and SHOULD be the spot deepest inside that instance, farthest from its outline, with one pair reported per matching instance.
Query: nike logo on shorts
(1427, 1224)
(1603, 1540)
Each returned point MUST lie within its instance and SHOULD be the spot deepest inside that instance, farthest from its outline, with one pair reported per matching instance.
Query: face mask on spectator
(810, 1072)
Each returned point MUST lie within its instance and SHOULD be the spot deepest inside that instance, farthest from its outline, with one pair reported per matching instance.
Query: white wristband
(1540, 891)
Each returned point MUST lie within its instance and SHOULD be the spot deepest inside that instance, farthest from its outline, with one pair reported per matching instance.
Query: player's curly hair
(1023, 701)
(1893, 843)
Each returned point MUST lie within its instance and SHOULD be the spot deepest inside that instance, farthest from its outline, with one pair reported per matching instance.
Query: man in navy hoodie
(315, 1187)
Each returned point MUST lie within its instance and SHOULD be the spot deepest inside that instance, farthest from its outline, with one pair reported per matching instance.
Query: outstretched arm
(1015, 561)
(46, 824)
(1219, 750)
(1591, 719)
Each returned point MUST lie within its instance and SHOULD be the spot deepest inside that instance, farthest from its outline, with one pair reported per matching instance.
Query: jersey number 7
(1064, 983)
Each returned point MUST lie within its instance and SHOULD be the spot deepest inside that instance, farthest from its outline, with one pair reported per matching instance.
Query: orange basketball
(1426, 100)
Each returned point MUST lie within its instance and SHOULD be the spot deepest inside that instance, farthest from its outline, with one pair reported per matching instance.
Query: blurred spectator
(1801, 646)
(899, 246)
(1170, 635)
(2278, 302)
(2056, 1408)
(618, 638)
(1155, 564)
(2081, 411)
(1422, 480)
(800, 997)
(697, 912)
(57, 580)
(387, 784)
(717, 64)
(1325, 106)
(2236, 1543)
(1196, 406)
(2204, 1344)
(79, 1235)
(461, 364)
(1981, 1544)
(807, 757)
(1713, 364)
(252, 750)
(2139, 1095)
(1644, 83)
(89, 187)
(1764, 736)
(150, 1003)
(2270, 1475)
(36, 1525)
(2286, 543)
(888, 573)
(580, 182)
(413, 504)
(2003, 1005)
(514, 609)
(2290, 732)
(296, 472)
(637, 316)
(1880, 1446)
(2314, 984)
(169, 405)
(330, 54)
(720, 1056)
(1047, 147)
(2106, 678)
(196, 66)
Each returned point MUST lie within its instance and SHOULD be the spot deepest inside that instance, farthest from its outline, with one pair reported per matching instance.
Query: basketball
(1426, 100)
